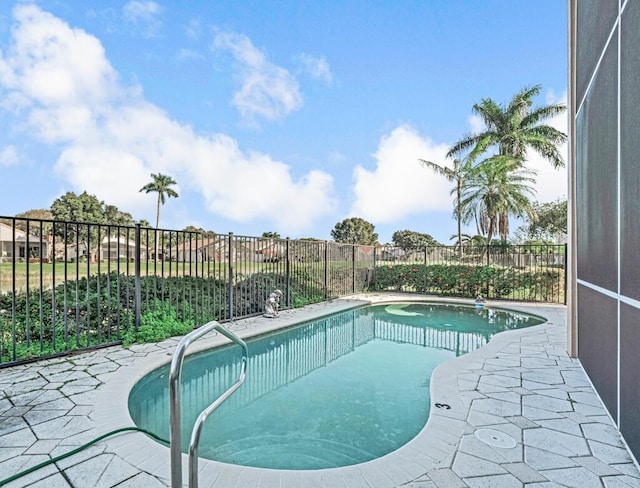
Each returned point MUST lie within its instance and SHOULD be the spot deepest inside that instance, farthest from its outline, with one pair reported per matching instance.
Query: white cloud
(476, 123)
(192, 29)
(8, 156)
(399, 185)
(552, 183)
(111, 139)
(317, 67)
(256, 186)
(143, 13)
(55, 65)
(187, 54)
(267, 91)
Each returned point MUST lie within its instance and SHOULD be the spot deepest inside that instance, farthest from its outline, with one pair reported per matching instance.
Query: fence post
(14, 290)
(488, 284)
(230, 285)
(287, 276)
(326, 269)
(353, 268)
(565, 273)
(53, 278)
(372, 278)
(425, 269)
(137, 291)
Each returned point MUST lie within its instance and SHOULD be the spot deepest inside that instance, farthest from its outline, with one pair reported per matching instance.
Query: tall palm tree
(497, 188)
(458, 174)
(160, 184)
(514, 129)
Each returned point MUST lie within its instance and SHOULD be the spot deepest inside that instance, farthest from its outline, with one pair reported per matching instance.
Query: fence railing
(506, 272)
(72, 285)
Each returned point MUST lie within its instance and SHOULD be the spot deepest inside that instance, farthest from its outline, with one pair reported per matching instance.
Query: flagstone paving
(546, 426)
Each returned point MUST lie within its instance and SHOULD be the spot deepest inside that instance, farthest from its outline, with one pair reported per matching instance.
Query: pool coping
(433, 446)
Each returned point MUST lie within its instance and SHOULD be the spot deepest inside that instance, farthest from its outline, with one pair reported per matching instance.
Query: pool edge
(433, 445)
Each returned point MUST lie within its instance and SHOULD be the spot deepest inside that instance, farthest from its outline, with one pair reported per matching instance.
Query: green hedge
(546, 284)
(100, 310)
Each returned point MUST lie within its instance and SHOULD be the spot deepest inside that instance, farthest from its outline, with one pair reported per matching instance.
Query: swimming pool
(337, 391)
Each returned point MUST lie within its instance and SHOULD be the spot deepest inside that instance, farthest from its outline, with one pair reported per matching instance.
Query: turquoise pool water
(339, 390)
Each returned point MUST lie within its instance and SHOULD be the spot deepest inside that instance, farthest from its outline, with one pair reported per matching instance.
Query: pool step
(286, 452)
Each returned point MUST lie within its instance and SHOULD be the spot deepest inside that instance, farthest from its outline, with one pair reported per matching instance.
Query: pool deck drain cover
(495, 438)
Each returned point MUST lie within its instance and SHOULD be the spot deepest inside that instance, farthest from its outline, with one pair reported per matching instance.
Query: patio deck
(521, 386)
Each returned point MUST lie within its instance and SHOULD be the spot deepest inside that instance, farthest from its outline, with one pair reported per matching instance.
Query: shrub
(101, 309)
(157, 325)
(470, 281)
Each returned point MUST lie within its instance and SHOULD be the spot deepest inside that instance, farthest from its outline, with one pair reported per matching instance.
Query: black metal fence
(506, 272)
(67, 286)
(71, 285)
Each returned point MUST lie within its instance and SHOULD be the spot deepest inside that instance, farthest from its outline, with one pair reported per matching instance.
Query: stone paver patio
(522, 414)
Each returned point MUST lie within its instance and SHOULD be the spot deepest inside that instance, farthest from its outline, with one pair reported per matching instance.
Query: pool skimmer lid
(495, 438)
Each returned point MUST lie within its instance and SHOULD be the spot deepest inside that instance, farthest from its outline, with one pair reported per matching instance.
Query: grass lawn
(33, 275)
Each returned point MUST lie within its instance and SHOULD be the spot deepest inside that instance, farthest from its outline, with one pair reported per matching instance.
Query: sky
(272, 116)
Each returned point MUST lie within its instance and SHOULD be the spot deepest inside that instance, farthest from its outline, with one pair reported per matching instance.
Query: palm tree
(160, 184)
(514, 129)
(458, 173)
(497, 188)
(469, 240)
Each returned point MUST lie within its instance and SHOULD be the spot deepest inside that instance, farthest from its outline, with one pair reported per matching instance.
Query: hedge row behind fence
(542, 285)
(100, 310)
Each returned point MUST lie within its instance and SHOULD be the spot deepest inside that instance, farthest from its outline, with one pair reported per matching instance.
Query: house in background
(114, 248)
(270, 251)
(25, 246)
(111, 249)
(212, 249)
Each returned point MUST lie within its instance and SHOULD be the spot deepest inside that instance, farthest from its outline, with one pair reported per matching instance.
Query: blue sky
(283, 116)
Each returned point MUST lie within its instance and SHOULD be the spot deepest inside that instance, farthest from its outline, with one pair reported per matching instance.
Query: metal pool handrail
(174, 403)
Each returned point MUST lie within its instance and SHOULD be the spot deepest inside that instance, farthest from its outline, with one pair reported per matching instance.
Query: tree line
(88, 208)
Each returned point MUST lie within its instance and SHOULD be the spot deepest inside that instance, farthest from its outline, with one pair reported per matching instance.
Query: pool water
(337, 391)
